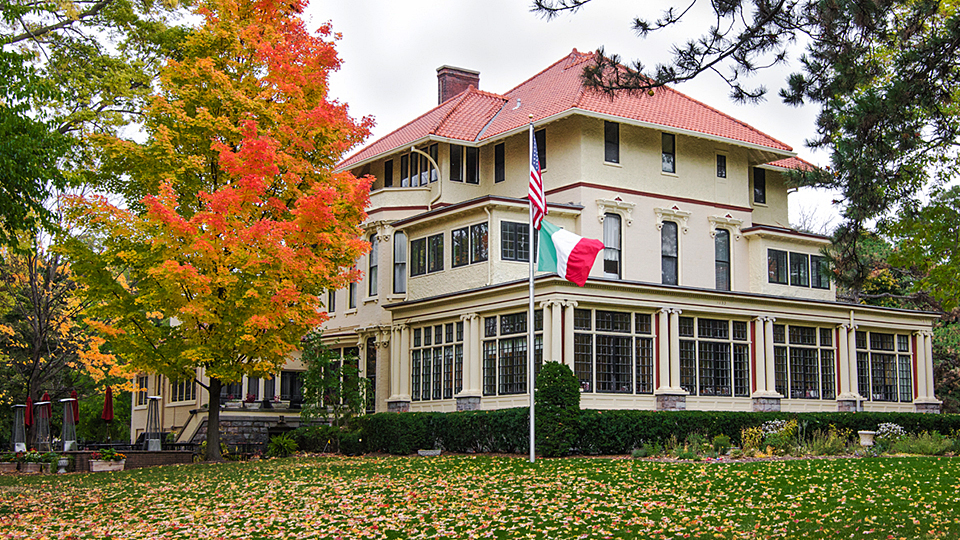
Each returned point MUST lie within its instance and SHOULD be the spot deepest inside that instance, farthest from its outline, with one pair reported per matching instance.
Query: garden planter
(866, 437)
(8, 467)
(35, 468)
(99, 465)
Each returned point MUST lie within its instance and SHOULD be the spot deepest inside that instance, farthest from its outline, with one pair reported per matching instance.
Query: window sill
(612, 164)
(370, 299)
(673, 174)
(182, 404)
(350, 311)
(761, 205)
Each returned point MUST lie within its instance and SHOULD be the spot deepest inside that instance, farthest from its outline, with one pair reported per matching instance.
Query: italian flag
(567, 254)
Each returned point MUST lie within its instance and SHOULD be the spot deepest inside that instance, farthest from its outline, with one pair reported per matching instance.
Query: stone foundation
(398, 406)
(671, 402)
(468, 403)
(766, 404)
(233, 432)
(846, 405)
(927, 408)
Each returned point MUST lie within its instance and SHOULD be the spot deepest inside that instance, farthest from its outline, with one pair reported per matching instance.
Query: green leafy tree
(332, 386)
(222, 265)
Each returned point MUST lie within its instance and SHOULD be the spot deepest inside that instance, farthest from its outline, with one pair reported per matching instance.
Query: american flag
(535, 193)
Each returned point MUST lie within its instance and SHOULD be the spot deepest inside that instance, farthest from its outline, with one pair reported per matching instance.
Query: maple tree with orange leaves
(235, 222)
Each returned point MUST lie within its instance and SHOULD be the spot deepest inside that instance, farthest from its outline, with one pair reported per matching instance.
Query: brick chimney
(453, 80)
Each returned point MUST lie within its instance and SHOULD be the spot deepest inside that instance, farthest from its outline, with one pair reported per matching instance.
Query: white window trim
(726, 222)
(623, 208)
(672, 214)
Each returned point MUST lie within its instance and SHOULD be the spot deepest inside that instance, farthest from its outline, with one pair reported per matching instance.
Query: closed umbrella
(28, 414)
(107, 414)
(76, 407)
(49, 406)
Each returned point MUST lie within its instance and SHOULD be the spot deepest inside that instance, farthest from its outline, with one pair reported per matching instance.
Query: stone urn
(866, 437)
(100, 465)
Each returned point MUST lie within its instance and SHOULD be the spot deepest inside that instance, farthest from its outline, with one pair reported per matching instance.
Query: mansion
(704, 298)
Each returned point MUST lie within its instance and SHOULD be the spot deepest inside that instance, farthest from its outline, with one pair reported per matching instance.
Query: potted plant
(250, 402)
(33, 462)
(9, 463)
(107, 459)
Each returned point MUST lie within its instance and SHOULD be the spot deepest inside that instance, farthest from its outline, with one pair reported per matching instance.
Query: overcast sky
(391, 49)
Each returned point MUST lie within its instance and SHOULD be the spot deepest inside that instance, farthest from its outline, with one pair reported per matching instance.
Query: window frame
(799, 269)
(499, 163)
(721, 166)
(611, 142)
(388, 173)
(759, 186)
(779, 275)
(666, 257)
(331, 301)
(540, 136)
(819, 279)
(792, 349)
(418, 257)
(727, 285)
(614, 351)
(703, 343)
(399, 266)
(436, 361)
(668, 158)
(518, 231)
(435, 262)
(460, 247)
(608, 220)
(373, 265)
(479, 250)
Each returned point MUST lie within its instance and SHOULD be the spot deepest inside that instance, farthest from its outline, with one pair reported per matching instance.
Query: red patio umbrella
(107, 414)
(49, 406)
(76, 407)
(28, 414)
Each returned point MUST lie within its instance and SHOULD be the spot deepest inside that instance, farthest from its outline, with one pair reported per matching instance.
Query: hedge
(605, 432)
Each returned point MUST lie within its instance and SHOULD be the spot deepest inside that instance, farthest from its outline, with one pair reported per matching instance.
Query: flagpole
(530, 315)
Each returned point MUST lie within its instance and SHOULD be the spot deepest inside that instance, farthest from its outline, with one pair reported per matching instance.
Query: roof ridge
(453, 108)
(542, 71)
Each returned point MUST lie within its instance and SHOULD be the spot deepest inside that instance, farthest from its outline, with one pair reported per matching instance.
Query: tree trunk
(213, 422)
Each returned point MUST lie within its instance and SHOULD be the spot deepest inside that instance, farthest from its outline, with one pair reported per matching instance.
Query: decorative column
(926, 402)
(765, 398)
(847, 397)
(852, 361)
(568, 358)
(556, 332)
(670, 397)
(400, 364)
(547, 329)
(663, 350)
(469, 398)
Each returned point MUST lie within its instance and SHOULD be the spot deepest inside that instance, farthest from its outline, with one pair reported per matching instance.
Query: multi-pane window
(714, 357)
(611, 142)
(399, 262)
(426, 255)
(514, 241)
(668, 142)
(469, 245)
(804, 362)
(777, 266)
(373, 259)
(819, 278)
(416, 169)
(405, 171)
(540, 136)
(388, 173)
(464, 164)
(505, 356)
(759, 185)
(253, 388)
(270, 388)
(231, 391)
(884, 366)
(371, 371)
(499, 164)
(436, 361)
(291, 385)
(722, 250)
(352, 295)
(142, 382)
(611, 245)
(669, 253)
(613, 351)
(799, 270)
(721, 166)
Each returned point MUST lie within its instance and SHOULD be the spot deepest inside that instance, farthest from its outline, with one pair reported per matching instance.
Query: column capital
(670, 310)
(550, 303)
(569, 303)
(848, 326)
(469, 316)
(923, 333)
(765, 318)
(399, 327)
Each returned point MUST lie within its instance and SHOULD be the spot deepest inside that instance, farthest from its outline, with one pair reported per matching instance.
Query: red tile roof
(476, 116)
(793, 163)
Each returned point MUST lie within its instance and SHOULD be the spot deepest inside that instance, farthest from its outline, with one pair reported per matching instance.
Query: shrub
(751, 437)
(351, 443)
(557, 401)
(826, 443)
(317, 439)
(925, 444)
(282, 445)
(721, 444)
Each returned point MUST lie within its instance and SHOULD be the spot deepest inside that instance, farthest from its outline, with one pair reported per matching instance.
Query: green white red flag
(569, 255)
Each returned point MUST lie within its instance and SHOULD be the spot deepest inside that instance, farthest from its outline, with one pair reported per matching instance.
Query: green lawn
(483, 497)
